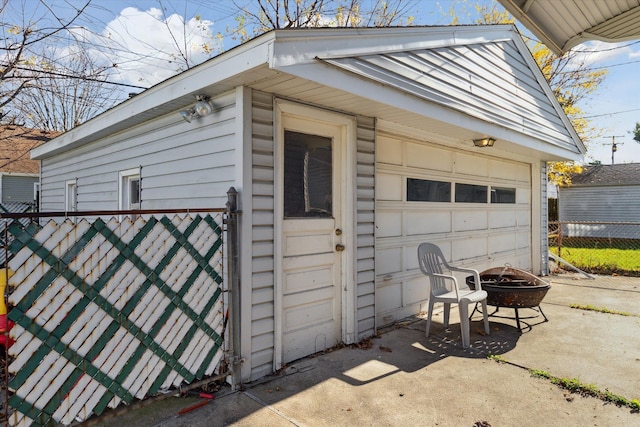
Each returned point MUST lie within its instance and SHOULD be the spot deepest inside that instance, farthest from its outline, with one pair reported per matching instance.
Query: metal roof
(601, 175)
(564, 24)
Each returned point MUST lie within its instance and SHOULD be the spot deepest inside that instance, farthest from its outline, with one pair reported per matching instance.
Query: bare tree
(66, 89)
(20, 42)
(278, 14)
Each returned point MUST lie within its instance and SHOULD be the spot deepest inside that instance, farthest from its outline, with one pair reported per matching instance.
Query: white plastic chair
(444, 289)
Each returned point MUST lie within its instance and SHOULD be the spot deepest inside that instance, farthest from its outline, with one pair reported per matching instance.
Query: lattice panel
(109, 312)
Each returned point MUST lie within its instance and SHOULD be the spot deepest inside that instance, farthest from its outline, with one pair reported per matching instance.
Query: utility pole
(614, 146)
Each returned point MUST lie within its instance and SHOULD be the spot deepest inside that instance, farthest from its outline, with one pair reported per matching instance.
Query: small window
(308, 173)
(130, 189)
(71, 196)
(469, 193)
(424, 190)
(503, 195)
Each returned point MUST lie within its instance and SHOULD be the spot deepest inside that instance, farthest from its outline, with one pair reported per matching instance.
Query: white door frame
(348, 131)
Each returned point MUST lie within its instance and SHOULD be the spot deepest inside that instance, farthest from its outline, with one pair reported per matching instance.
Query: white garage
(348, 148)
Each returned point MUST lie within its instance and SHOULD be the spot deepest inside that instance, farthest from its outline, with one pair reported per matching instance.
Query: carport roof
(564, 24)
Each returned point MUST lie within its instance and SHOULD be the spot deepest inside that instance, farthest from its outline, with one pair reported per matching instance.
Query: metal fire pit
(512, 288)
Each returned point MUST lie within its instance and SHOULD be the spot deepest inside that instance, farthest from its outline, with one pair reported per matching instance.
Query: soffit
(564, 24)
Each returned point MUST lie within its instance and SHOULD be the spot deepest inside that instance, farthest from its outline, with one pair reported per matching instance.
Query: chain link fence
(597, 247)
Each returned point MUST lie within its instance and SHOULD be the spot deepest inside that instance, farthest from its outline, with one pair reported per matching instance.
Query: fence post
(233, 274)
(559, 239)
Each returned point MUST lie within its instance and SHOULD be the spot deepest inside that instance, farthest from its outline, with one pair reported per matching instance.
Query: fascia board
(544, 84)
(297, 47)
(244, 58)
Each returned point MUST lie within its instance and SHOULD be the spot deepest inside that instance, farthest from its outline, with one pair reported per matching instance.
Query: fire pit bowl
(512, 288)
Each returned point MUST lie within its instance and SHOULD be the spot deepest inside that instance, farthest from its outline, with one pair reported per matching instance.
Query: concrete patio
(404, 378)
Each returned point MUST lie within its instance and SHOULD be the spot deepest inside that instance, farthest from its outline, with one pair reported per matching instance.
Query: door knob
(338, 231)
(339, 247)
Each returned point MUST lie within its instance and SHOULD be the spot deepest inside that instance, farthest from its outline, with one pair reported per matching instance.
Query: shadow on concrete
(364, 369)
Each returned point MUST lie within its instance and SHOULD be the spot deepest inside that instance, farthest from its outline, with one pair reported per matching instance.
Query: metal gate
(110, 311)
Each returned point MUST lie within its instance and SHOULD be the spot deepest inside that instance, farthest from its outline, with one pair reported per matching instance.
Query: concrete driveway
(403, 378)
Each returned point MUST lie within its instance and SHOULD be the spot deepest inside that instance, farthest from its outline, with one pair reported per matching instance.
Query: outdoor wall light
(484, 142)
(202, 108)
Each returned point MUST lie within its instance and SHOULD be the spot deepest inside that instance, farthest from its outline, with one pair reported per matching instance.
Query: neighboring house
(348, 147)
(604, 194)
(19, 175)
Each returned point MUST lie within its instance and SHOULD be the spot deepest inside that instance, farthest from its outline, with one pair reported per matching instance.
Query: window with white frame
(130, 189)
(71, 195)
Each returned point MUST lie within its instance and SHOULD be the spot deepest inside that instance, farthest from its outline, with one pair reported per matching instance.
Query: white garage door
(476, 208)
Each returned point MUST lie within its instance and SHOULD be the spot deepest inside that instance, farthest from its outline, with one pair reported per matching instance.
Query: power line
(53, 73)
(611, 114)
(607, 49)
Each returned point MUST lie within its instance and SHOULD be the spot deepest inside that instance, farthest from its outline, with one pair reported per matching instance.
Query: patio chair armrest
(448, 277)
(474, 272)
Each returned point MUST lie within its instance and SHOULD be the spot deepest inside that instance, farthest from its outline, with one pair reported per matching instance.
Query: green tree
(636, 132)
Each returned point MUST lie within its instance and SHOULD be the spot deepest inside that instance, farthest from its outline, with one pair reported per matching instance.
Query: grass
(589, 307)
(576, 386)
(605, 260)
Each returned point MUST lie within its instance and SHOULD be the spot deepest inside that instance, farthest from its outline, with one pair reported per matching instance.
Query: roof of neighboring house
(561, 25)
(596, 175)
(15, 144)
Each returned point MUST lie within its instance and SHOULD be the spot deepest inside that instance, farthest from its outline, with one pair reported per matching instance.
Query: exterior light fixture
(484, 142)
(189, 114)
(202, 108)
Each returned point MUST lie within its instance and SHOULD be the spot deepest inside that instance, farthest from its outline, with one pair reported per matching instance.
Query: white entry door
(312, 246)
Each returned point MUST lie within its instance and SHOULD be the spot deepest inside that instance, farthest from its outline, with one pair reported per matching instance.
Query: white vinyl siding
(544, 215)
(262, 237)
(478, 235)
(185, 164)
(491, 81)
(365, 229)
(262, 263)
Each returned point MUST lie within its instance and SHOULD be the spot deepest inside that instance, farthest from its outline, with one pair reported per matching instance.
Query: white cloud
(146, 47)
(598, 52)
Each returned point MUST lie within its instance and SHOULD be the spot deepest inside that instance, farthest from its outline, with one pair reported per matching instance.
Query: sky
(112, 28)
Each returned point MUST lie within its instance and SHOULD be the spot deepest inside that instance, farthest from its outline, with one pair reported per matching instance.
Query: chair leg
(429, 313)
(486, 317)
(447, 309)
(463, 307)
